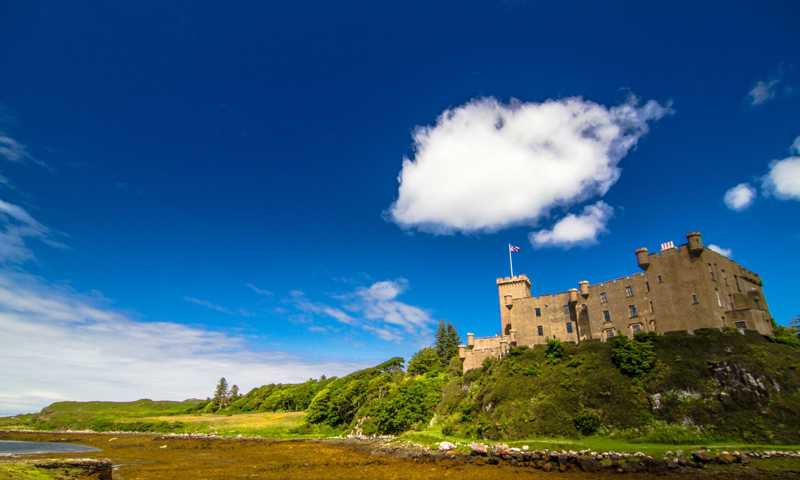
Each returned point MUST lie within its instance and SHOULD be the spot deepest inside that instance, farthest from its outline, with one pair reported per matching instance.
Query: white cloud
(57, 345)
(783, 178)
(486, 165)
(16, 226)
(763, 91)
(727, 252)
(740, 197)
(12, 150)
(258, 291)
(375, 309)
(574, 229)
(208, 305)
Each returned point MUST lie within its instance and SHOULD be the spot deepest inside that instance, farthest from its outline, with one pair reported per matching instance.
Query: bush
(554, 351)
(634, 358)
(587, 423)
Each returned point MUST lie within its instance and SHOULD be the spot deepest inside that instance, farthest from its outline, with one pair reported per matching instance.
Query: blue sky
(199, 191)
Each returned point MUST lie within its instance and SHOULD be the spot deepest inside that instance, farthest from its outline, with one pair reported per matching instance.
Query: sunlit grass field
(266, 424)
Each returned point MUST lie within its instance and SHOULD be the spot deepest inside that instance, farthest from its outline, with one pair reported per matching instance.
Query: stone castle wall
(681, 288)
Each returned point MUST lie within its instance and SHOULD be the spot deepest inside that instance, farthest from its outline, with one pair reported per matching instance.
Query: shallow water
(13, 447)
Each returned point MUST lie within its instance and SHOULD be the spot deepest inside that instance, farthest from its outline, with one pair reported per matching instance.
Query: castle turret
(470, 339)
(509, 288)
(643, 258)
(694, 242)
(583, 287)
(573, 295)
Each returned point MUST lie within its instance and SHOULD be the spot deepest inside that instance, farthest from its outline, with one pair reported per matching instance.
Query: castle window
(652, 307)
(538, 311)
(566, 309)
(660, 279)
(603, 297)
(569, 327)
(628, 291)
(711, 272)
(694, 299)
(632, 309)
(606, 316)
(647, 286)
(610, 333)
(540, 330)
(636, 328)
(741, 325)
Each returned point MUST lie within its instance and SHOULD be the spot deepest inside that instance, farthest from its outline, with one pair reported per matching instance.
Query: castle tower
(695, 242)
(509, 288)
(643, 258)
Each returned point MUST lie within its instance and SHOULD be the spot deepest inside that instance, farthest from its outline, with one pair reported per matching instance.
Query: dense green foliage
(713, 384)
(634, 358)
(425, 361)
(277, 397)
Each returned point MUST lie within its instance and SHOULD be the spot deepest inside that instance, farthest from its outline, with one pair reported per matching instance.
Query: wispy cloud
(17, 226)
(209, 305)
(259, 291)
(726, 252)
(375, 309)
(92, 352)
(763, 91)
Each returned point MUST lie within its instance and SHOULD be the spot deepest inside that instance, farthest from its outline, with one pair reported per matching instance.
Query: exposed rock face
(739, 386)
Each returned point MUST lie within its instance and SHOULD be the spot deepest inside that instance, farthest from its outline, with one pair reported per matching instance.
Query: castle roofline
(515, 278)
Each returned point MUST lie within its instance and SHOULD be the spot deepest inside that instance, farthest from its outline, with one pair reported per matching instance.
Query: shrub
(554, 351)
(587, 423)
(634, 358)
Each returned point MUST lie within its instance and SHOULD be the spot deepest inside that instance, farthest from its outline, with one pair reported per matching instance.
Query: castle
(682, 288)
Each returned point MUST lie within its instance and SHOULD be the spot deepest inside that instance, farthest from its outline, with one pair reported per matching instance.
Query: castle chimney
(642, 258)
(695, 242)
(470, 339)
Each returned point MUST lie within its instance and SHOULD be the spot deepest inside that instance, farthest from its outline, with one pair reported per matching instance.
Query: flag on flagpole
(511, 249)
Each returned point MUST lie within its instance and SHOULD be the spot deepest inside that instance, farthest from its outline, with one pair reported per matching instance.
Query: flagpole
(510, 262)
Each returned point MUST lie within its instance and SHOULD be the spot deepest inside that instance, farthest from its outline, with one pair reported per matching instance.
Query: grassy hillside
(711, 387)
(104, 416)
(670, 388)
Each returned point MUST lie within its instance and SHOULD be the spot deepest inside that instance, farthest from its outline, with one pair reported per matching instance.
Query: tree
(447, 341)
(234, 394)
(424, 361)
(221, 394)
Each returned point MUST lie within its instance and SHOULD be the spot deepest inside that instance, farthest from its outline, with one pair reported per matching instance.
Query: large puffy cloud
(57, 344)
(487, 165)
(574, 229)
(740, 197)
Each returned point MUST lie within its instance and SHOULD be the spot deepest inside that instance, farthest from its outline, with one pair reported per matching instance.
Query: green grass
(432, 437)
(21, 471)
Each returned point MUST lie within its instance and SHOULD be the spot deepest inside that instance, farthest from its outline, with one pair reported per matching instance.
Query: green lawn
(432, 437)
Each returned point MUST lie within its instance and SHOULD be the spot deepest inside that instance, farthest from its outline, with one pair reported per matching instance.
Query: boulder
(446, 446)
(478, 449)
(702, 456)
